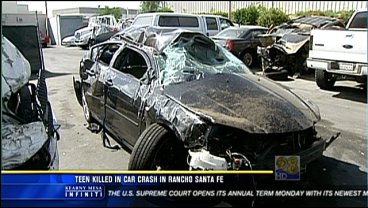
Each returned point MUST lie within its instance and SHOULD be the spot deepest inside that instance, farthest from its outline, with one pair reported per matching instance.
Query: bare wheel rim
(247, 59)
(85, 107)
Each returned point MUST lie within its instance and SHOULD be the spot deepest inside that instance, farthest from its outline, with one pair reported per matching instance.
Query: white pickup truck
(207, 24)
(340, 53)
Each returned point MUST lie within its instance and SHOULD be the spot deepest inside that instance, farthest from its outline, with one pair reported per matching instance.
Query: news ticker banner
(147, 188)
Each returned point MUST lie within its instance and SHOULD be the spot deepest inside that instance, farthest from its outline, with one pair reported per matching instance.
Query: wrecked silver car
(285, 48)
(29, 136)
(177, 100)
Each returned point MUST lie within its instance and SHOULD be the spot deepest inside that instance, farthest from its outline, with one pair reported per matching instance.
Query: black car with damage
(177, 100)
(285, 48)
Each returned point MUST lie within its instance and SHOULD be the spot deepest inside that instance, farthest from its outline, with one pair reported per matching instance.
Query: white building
(18, 14)
(11, 7)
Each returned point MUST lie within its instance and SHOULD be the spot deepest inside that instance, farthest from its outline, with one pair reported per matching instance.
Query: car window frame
(358, 18)
(104, 47)
(151, 17)
(178, 20)
(215, 20)
(227, 21)
(260, 31)
(131, 47)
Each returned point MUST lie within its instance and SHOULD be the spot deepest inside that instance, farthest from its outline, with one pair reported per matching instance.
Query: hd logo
(287, 168)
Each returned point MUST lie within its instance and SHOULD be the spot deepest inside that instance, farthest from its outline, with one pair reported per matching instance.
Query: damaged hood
(247, 102)
(15, 71)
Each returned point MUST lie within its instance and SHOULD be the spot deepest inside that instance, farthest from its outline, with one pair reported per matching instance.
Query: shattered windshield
(192, 58)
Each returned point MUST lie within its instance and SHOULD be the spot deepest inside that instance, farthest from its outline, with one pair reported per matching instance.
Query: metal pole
(47, 31)
(229, 15)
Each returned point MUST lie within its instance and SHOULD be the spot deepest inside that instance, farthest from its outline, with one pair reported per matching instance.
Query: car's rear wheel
(158, 148)
(324, 79)
(86, 112)
(247, 58)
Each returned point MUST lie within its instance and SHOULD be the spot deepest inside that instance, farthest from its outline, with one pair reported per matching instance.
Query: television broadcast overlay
(149, 188)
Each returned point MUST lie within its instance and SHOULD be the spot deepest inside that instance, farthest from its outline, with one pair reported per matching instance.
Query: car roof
(152, 37)
(166, 14)
(212, 15)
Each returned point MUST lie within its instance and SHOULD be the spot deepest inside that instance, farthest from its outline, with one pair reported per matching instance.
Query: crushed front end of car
(29, 138)
(285, 48)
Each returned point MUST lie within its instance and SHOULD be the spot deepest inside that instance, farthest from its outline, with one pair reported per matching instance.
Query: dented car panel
(286, 46)
(244, 102)
(26, 143)
(206, 96)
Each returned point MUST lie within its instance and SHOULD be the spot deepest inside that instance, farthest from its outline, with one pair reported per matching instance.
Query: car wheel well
(167, 127)
(153, 148)
(252, 52)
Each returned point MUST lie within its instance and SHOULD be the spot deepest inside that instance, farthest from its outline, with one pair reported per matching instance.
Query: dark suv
(178, 100)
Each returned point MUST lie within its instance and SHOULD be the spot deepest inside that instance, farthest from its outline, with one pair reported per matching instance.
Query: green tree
(248, 15)
(165, 9)
(268, 17)
(116, 11)
(150, 6)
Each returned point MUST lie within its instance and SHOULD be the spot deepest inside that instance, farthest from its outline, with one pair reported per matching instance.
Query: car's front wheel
(158, 148)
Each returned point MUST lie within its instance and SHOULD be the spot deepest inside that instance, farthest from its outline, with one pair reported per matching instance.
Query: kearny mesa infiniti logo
(84, 191)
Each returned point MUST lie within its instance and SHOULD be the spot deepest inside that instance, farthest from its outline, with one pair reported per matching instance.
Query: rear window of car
(232, 33)
(360, 20)
(147, 20)
(174, 21)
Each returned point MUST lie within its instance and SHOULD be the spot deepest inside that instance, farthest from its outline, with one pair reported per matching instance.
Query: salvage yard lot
(342, 110)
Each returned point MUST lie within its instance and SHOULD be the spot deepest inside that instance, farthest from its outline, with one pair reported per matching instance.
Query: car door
(212, 26)
(123, 101)
(95, 94)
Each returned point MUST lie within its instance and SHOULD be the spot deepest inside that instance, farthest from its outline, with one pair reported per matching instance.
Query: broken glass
(192, 58)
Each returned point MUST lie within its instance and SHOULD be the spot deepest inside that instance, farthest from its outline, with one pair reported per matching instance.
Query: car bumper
(336, 67)
(81, 42)
(307, 156)
(69, 43)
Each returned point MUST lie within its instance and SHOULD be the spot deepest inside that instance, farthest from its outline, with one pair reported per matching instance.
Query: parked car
(68, 41)
(284, 49)
(178, 100)
(242, 42)
(45, 39)
(206, 24)
(340, 53)
(86, 37)
(83, 37)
